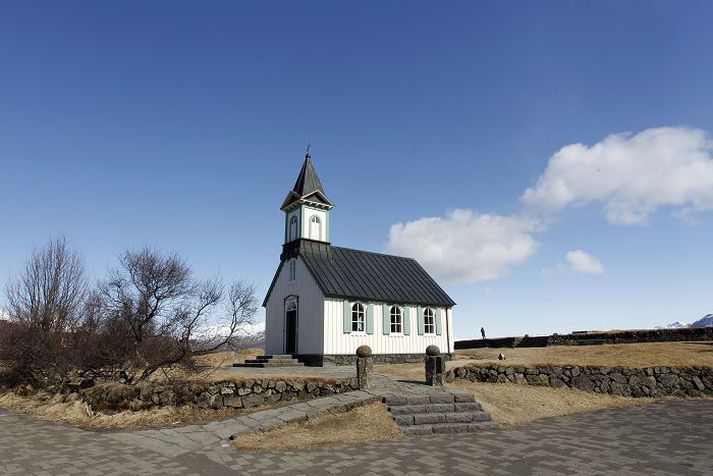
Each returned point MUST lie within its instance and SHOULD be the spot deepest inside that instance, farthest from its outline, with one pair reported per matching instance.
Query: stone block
(429, 418)
(253, 400)
(234, 402)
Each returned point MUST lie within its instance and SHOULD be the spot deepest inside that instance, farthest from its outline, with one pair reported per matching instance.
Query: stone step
(436, 397)
(272, 361)
(268, 364)
(432, 418)
(443, 428)
(275, 356)
(435, 408)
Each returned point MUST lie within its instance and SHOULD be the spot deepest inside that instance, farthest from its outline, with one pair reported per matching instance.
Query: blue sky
(182, 125)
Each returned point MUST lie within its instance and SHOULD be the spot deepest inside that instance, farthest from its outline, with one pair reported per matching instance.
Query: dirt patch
(365, 423)
(513, 405)
(665, 354)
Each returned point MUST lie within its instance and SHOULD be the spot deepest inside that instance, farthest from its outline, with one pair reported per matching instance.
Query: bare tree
(45, 304)
(153, 310)
(50, 290)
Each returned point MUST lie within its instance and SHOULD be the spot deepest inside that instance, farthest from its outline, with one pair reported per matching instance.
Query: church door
(291, 328)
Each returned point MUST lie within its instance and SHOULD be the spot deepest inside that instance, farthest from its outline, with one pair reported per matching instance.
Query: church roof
(360, 275)
(307, 186)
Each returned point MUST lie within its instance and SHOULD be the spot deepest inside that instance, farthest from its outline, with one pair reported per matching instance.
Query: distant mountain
(705, 321)
(675, 325)
(249, 335)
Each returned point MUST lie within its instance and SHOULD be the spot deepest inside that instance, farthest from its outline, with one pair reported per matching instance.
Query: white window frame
(358, 317)
(314, 219)
(429, 321)
(396, 320)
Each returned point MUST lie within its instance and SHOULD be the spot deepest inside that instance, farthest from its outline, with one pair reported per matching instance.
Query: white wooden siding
(336, 341)
(310, 313)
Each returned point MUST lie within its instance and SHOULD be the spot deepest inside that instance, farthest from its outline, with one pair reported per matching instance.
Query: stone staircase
(284, 360)
(438, 412)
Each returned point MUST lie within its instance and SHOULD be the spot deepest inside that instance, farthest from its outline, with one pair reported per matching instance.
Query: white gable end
(310, 311)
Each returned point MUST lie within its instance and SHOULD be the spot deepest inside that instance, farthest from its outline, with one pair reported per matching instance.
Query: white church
(325, 301)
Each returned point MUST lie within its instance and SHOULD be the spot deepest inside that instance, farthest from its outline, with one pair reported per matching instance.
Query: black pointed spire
(307, 186)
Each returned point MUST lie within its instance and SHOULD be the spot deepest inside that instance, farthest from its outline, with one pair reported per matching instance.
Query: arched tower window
(315, 228)
(293, 228)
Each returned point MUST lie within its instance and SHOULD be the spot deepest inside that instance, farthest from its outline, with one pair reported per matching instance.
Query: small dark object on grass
(501, 356)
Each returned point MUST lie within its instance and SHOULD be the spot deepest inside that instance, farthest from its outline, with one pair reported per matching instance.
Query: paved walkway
(667, 438)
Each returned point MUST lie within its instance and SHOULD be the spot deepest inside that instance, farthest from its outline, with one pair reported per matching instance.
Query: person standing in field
(482, 332)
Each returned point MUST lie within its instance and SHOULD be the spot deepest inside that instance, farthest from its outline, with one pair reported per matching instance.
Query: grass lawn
(512, 405)
(361, 424)
(678, 354)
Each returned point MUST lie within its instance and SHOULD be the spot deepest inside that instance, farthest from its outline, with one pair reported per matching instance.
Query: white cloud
(465, 246)
(578, 261)
(631, 175)
(582, 262)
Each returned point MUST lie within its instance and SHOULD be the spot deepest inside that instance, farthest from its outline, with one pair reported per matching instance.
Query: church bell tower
(307, 207)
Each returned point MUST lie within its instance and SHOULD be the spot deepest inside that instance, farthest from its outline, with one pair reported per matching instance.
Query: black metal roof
(307, 186)
(352, 274)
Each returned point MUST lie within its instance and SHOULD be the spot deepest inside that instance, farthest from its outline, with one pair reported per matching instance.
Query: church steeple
(307, 207)
(307, 186)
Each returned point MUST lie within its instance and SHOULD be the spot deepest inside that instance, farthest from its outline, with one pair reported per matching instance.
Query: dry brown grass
(77, 413)
(228, 358)
(365, 423)
(677, 354)
(512, 405)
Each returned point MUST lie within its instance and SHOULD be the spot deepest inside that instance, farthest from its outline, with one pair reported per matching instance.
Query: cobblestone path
(666, 438)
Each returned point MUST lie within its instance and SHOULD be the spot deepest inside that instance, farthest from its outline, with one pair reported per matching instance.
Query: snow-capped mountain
(705, 321)
(248, 335)
(676, 325)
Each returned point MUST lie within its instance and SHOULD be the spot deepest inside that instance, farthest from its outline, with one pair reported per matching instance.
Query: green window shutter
(370, 319)
(407, 321)
(439, 319)
(386, 319)
(419, 319)
(347, 319)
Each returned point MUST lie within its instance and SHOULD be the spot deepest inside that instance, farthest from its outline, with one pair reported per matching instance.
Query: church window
(293, 228)
(315, 228)
(293, 270)
(357, 318)
(396, 322)
(429, 322)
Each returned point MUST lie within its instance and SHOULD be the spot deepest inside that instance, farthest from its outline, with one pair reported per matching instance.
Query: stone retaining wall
(318, 360)
(231, 394)
(626, 381)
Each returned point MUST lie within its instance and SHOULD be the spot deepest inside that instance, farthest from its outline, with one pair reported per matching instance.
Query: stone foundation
(625, 381)
(318, 360)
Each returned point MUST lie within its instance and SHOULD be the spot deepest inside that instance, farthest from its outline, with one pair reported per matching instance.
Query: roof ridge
(374, 253)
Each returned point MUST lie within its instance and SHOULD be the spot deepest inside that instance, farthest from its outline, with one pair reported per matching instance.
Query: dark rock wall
(245, 394)
(626, 381)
